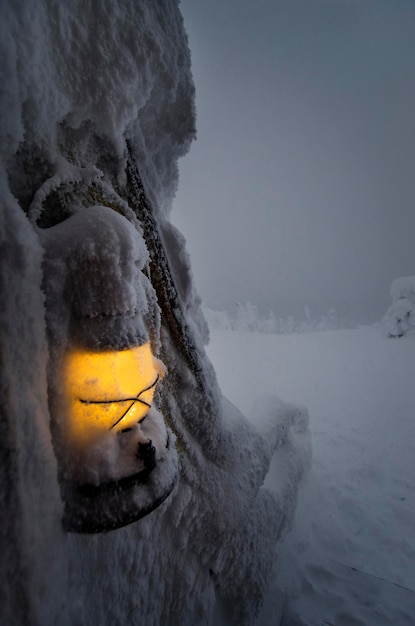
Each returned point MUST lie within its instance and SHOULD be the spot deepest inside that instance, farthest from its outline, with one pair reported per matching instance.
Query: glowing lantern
(116, 457)
(108, 391)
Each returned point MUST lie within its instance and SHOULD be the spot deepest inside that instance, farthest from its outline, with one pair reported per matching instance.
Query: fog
(299, 189)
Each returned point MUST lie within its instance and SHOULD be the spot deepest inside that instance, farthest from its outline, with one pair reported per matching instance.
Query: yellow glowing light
(108, 391)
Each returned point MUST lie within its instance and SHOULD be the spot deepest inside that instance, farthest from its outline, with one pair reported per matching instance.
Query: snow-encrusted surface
(119, 69)
(97, 106)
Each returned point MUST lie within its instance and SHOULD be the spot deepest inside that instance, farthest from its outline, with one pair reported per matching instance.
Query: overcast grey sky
(300, 189)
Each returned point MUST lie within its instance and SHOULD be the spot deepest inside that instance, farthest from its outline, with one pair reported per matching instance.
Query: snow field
(350, 556)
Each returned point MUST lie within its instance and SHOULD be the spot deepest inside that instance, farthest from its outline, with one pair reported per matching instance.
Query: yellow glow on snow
(108, 391)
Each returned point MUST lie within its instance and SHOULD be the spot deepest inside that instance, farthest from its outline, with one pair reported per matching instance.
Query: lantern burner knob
(146, 453)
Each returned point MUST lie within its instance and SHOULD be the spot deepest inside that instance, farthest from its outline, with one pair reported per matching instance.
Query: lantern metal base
(116, 503)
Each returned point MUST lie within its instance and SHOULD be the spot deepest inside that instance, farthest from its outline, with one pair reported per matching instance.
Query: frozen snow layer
(349, 559)
(119, 71)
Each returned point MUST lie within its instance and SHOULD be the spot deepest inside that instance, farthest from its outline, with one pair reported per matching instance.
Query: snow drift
(349, 558)
(97, 106)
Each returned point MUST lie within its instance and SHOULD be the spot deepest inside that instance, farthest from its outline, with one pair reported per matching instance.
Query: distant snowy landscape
(349, 559)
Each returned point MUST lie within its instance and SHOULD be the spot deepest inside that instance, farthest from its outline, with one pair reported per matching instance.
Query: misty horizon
(299, 188)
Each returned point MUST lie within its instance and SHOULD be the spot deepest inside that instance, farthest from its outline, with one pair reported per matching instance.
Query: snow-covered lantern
(116, 456)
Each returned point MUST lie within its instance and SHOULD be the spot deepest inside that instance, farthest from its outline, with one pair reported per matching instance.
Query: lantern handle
(134, 399)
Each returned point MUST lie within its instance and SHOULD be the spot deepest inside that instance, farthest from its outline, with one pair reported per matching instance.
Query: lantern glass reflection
(107, 391)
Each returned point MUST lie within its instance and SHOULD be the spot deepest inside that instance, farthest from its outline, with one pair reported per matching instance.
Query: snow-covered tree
(246, 317)
(269, 324)
(400, 316)
(97, 105)
(217, 320)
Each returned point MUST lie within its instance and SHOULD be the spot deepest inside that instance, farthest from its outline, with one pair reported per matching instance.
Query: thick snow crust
(120, 68)
(350, 556)
(91, 92)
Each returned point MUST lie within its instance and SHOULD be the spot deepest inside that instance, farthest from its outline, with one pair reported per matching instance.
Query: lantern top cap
(93, 264)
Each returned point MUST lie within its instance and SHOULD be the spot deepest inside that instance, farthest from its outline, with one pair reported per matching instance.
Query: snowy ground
(350, 559)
